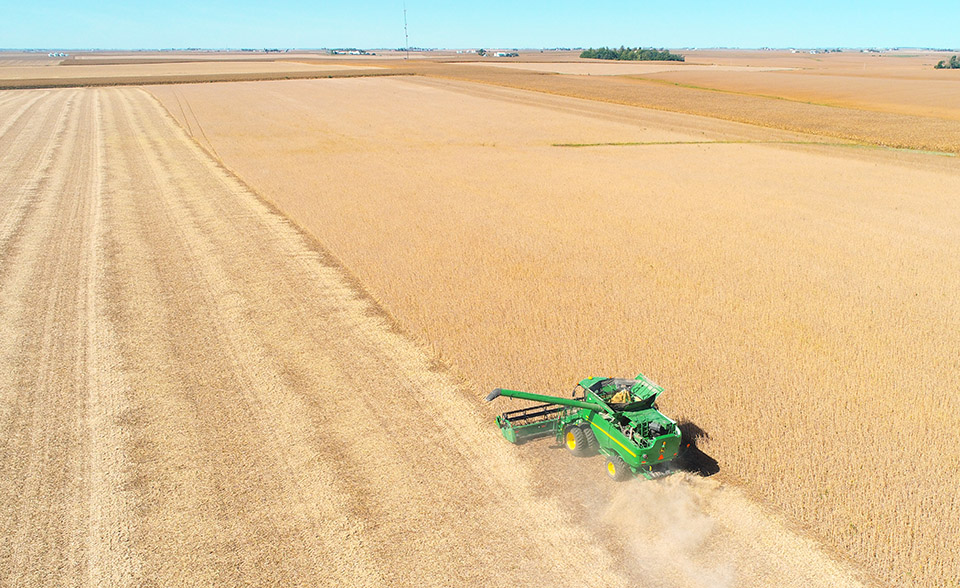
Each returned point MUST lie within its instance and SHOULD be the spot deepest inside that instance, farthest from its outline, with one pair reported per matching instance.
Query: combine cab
(616, 417)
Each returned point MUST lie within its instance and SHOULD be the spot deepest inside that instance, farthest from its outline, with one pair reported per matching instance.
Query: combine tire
(592, 443)
(575, 440)
(617, 469)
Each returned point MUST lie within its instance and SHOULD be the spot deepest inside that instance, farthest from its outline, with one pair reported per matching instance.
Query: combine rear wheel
(617, 469)
(575, 440)
(592, 443)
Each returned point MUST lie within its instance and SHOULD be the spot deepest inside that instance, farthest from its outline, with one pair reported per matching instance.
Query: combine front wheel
(617, 469)
(575, 440)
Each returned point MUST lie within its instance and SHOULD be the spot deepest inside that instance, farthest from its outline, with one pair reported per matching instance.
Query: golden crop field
(795, 294)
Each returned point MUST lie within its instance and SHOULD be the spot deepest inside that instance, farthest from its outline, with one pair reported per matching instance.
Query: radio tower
(406, 37)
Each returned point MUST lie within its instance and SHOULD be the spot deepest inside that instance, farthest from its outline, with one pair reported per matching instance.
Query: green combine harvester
(615, 417)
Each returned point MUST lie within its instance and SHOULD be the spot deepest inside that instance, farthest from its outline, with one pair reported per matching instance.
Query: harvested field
(191, 392)
(139, 73)
(797, 300)
(27, 63)
(108, 57)
(148, 70)
(25, 59)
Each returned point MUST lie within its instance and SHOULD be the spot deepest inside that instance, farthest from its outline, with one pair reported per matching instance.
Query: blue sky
(483, 23)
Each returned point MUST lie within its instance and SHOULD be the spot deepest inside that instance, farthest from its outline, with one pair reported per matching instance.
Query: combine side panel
(612, 441)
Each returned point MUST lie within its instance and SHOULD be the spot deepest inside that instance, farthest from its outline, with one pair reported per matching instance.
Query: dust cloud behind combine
(694, 531)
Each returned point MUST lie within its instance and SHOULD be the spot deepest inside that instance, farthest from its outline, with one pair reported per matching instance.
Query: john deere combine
(615, 417)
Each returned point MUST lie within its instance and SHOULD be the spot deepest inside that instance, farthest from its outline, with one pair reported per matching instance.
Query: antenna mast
(406, 37)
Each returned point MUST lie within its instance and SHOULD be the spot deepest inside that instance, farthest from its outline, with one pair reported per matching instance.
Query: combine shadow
(694, 460)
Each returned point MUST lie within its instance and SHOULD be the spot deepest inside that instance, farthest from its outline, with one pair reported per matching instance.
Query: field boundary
(718, 142)
(855, 145)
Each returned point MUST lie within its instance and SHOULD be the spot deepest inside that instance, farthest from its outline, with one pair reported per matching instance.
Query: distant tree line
(631, 54)
(954, 63)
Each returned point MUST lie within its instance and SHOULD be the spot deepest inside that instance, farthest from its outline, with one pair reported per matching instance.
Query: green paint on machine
(615, 417)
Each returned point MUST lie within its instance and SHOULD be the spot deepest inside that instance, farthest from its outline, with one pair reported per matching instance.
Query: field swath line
(10, 120)
(737, 142)
(24, 182)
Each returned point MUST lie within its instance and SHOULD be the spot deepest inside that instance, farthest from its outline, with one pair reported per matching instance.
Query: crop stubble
(797, 300)
(129, 72)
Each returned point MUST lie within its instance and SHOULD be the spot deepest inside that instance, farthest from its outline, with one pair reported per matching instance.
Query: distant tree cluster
(954, 63)
(631, 54)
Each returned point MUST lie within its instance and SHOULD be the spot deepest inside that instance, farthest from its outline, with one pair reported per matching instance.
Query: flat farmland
(796, 296)
(193, 392)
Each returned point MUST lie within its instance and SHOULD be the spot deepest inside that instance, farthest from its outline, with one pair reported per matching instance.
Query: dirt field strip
(35, 172)
(127, 75)
(111, 512)
(44, 527)
(147, 70)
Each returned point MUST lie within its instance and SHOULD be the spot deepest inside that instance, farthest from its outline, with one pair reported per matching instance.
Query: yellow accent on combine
(571, 441)
(612, 468)
(625, 448)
